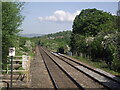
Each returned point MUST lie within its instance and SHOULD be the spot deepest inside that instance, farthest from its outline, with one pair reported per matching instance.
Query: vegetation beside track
(95, 36)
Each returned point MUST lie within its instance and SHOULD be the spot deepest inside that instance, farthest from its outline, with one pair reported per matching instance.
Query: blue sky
(51, 17)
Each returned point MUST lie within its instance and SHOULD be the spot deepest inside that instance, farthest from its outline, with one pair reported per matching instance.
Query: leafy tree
(112, 48)
(11, 20)
(73, 44)
(91, 21)
(116, 52)
(78, 44)
(97, 49)
(96, 34)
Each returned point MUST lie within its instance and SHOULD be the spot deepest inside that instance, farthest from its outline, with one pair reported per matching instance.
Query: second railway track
(108, 81)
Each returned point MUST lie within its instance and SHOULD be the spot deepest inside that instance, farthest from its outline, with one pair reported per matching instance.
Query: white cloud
(113, 14)
(60, 16)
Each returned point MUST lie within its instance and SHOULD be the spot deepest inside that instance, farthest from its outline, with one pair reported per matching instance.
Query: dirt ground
(38, 73)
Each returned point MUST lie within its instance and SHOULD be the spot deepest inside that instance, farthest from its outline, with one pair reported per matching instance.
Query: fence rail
(22, 75)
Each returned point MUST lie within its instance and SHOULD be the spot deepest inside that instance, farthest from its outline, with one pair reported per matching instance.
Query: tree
(73, 44)
(78, 44)
(95, 34)
(91, 21)
(11, 20)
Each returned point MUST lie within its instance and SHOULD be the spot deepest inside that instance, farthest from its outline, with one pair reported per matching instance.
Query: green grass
(101, 65)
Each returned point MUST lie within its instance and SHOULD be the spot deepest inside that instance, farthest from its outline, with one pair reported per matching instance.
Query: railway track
(82, 81)
(59, 77)
(106, 80)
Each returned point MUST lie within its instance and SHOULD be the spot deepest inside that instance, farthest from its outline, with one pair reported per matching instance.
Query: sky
(52, 17)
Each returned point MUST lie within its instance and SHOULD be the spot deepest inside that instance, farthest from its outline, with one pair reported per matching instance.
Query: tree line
(96, 35)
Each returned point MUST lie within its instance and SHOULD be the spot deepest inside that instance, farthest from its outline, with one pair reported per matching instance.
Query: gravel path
(39, 75)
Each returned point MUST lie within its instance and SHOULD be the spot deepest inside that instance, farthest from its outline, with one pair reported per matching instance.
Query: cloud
(113, 14)
(60, 16)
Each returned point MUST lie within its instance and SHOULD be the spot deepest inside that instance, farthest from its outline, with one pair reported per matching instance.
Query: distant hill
(65, 34)
(57, 40)
(32, 35)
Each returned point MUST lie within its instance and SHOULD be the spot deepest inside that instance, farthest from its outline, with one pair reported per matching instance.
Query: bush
(97, 49)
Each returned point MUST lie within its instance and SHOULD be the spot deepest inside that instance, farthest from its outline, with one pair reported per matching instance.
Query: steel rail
(87, 68)
(53, 81)
(74, 81)
(80, 70)
(90, 68)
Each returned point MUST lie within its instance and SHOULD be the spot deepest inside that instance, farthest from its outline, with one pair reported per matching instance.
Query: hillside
(56, 40)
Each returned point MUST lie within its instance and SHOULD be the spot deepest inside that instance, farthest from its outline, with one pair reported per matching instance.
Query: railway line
(59, 78)
(75, 78)
(106, 80)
